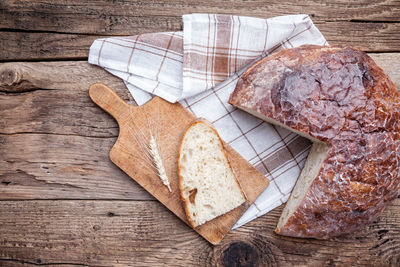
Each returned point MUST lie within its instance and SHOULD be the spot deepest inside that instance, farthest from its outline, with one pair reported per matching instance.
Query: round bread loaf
(341, 100)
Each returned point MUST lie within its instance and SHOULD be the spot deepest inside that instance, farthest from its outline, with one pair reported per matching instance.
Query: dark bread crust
(337, 95)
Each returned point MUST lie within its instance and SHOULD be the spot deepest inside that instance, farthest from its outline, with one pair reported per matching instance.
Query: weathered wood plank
(369, 37)
(63, 160)
(54, 166)
(55, 98)
(55, 145)
(118, 17)
(28, 45)
(378, 37)
(53, 30)
(55, 140)
(133, 232)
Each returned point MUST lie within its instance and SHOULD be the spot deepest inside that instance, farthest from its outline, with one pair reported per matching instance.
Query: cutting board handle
(108, 100)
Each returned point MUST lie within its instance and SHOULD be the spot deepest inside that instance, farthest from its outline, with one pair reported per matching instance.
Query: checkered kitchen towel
(199, 67)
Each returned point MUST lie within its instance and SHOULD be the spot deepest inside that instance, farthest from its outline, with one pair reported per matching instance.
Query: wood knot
(240, 254)
(9, 77)
(15, 78)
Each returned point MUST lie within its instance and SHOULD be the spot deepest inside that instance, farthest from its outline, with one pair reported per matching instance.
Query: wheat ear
(151, 149)
(158, 162)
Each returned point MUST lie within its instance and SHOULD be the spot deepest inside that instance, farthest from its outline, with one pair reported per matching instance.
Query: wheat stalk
(150, 151)
(155, 153)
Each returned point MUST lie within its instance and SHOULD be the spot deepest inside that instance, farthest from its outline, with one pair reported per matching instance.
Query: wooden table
(62, 202)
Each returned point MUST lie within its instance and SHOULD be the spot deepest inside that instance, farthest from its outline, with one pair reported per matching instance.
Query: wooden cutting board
(168, 122)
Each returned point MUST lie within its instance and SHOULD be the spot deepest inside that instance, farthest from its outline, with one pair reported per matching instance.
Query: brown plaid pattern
(199, 67)
(152, 62)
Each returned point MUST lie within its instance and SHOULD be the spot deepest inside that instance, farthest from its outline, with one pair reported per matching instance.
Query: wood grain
(53, 97)
(54, 140)
(54, 166)
(53, 143)
(52, 30)
(167, 122)
(90, 232)
(121, 233)
(44, 45)
(118, 17)
(46, 106)
(368, 36)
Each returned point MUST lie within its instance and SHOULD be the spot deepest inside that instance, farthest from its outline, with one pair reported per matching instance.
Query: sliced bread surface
(208, 186)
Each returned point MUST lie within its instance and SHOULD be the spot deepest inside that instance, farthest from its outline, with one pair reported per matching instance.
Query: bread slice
(208, 186)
